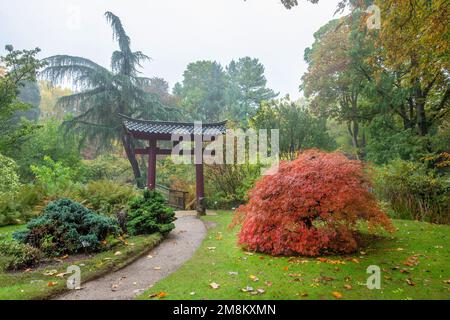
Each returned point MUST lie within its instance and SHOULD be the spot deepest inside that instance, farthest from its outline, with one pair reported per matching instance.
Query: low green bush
(107, 167)
(414, 191)
(19, 207)
(9, 179)
(150, 214)
(54, 176)
(107, 197)
(16, 256)
(68, 227)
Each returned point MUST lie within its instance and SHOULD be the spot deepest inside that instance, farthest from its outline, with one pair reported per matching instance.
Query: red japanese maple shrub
(311, 206)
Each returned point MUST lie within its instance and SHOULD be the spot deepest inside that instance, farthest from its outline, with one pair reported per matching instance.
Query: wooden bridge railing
(175, 198)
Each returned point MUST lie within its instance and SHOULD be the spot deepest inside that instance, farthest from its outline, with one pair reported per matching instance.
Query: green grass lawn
(414, 262)
(36, 285)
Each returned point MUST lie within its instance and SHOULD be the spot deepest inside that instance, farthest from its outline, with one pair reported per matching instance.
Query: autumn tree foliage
(311, 206)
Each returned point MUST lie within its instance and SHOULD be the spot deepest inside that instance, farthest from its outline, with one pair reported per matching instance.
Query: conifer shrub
(67, 227)
(150, 214)
(311, 206)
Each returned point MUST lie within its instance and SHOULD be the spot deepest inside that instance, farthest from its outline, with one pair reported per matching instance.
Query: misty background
(173, 33)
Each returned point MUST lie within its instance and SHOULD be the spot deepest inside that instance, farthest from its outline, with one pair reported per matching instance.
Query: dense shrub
(230, 184)
(150, 214)
(311, 206)
(16, 256)
(53, 175)
(414, 191)
(19, 207)
(9, 179)
(49, 140)
(67, 227)
(107, 197)
(107, 167)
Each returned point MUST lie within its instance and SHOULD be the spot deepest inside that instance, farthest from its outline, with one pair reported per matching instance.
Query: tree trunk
(421, 119)
(129, 150)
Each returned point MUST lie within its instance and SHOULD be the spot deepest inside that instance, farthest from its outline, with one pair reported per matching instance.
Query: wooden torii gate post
(154, 131)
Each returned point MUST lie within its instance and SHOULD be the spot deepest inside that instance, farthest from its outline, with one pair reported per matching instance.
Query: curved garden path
(142, 274)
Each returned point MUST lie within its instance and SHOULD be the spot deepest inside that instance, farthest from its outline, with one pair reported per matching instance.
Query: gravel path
(142, 274)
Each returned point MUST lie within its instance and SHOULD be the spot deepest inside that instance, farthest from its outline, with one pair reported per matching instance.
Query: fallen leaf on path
(149, 257)
(157, 268)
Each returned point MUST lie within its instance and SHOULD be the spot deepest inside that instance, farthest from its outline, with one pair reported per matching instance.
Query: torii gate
(154, 131)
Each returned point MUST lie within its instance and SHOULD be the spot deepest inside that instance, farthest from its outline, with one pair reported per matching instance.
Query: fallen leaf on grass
(247, 289)
(447, 281)
(348, 287)
(330, 261)
(233, 273)
(52, 284)
(412, 261)
(254, 278)
(410, 282)
(118, 253)
(50, 272)
(268, 283)
(337, 295)
(62, 274)
(295, 275)
(159, 295)
(214, 285)
(404, 271)
(211, 248)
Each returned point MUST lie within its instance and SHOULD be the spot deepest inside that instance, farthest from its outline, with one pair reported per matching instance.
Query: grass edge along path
(35, 285)
(413, 261)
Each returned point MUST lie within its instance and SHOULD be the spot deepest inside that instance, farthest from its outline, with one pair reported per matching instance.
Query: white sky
(173, 32)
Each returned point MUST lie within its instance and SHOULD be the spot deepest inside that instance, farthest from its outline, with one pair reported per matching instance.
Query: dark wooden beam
(151, 174)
